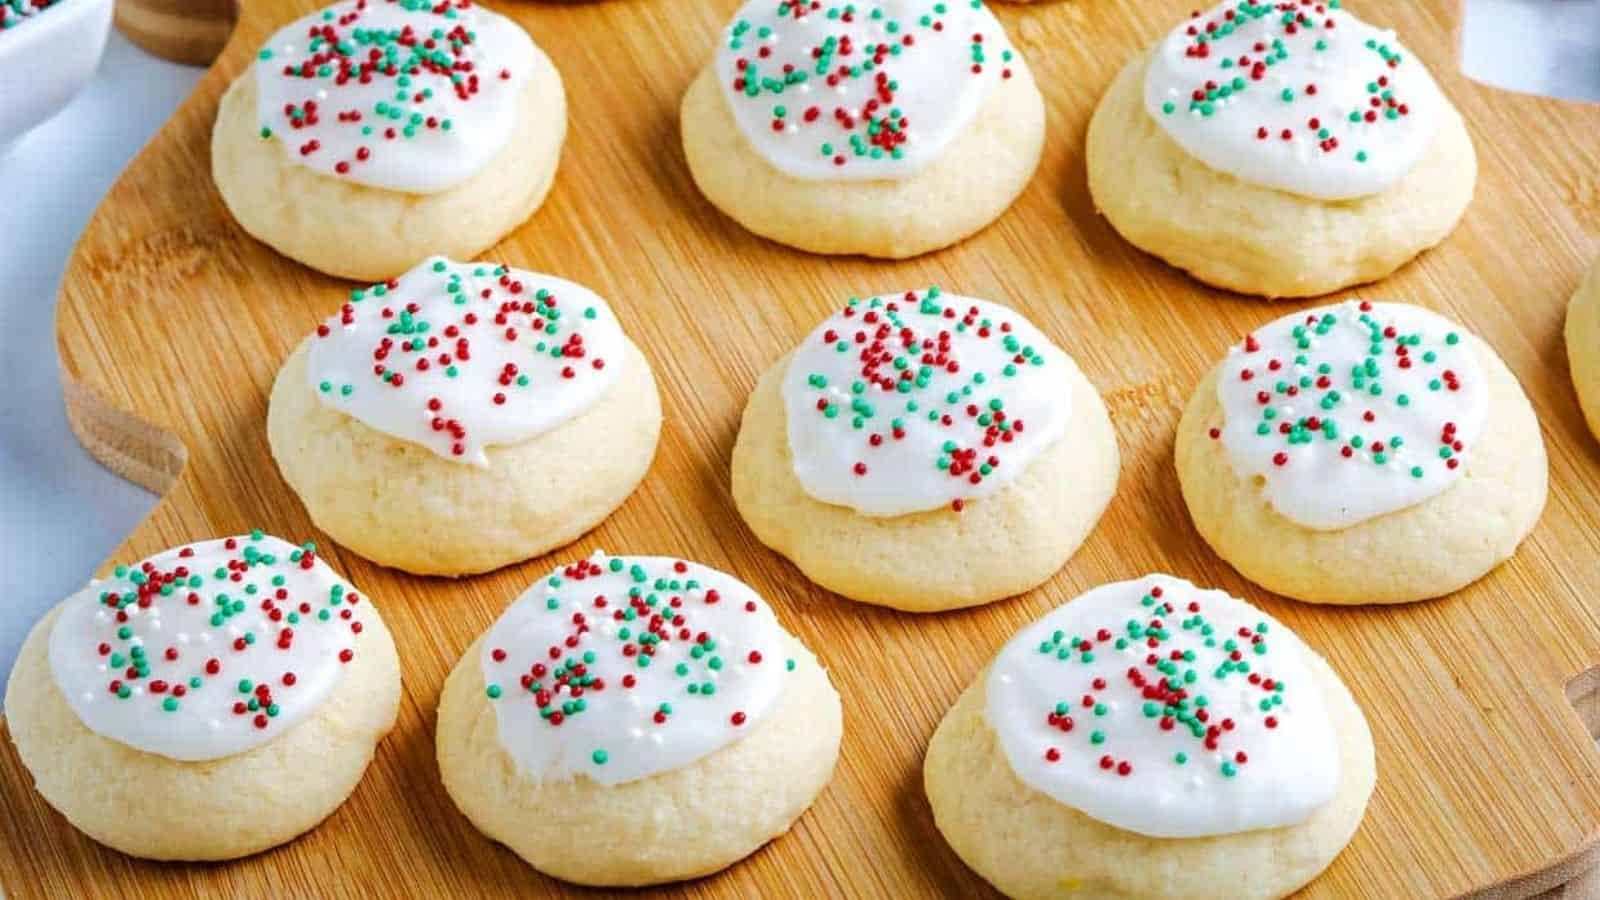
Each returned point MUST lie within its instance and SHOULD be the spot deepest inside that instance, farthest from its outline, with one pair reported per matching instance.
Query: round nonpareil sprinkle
(830, 90)
(16, 12)
(405, 95)
(1165, 710)
(207, 650)
(1352, 411)
(618, 668)
(1297, 95)
(458, 357)
(921, 400)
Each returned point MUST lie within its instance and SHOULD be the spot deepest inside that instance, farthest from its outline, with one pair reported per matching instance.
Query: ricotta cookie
(925, 451)
(1362, 453)
(886, 128)
(206, 703)
(374, 133)
(463, 417)
(1583, 346)
(1280, 149)
(1152, 739)
(636, 720)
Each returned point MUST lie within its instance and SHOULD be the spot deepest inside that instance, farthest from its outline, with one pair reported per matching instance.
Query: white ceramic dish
(46, 60)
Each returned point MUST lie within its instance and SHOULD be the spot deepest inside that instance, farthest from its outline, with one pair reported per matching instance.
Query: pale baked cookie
(1152, 739)
(636, 720)
(882, 128)
(1280, 153)
(1583, 346)
(463, 417)
(371, 135)
(1362, 453)
(925, 451)
(207, 703)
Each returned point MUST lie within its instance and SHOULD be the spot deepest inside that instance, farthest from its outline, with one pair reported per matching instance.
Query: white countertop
(61, 514)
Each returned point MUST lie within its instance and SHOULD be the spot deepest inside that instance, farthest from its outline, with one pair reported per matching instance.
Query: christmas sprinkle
(457, 357)
(618, 668)
(921, 400)
(15, 12)
(1352, 411)
(859, 90)
(1300, 96)
(207, 650)
(405, 95)
(1165, 710)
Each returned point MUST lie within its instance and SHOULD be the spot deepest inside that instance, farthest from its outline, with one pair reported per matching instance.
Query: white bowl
(46, 60)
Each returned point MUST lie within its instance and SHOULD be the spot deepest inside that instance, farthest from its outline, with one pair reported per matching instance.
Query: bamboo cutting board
(172, 324)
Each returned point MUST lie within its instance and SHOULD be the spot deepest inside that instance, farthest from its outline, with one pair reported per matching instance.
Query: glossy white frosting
(619, 668)
(871, 90)
(396, 94)
(916, 401)
(1300, 96)
(1166, 710)
(208, 650)
(1349, 412)
(457, 357)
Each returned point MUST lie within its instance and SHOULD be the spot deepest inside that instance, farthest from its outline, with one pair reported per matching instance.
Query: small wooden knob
(192, 32)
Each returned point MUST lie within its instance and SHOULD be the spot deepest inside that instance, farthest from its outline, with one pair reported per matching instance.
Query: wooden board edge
(1536, 882)
(1582, 694)
(1582, 691)
(138, 451)
(127, 445)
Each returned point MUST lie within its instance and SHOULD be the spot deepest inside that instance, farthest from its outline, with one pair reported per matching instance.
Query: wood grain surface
(173, 322)
(192, 32)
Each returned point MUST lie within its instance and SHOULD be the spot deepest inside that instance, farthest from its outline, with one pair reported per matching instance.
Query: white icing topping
(208, 650)
(835, 91)
(904, 403)
(1349, 412)
(621, 668)
(1165, 710)
(396, 94)
(457, 357)
(1299, 96)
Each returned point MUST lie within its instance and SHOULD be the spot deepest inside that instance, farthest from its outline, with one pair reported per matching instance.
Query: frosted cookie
(464, 416)
(17, 12)
(636, 720)
(1280, 149)
(1362, 453)
(1583, 346)
(925, 451)
(1152, 739)
(206, 703)
(886, 128)
(375, 133)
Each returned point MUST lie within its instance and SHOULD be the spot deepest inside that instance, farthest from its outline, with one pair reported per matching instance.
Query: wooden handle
(146, 455)
(192, 32)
